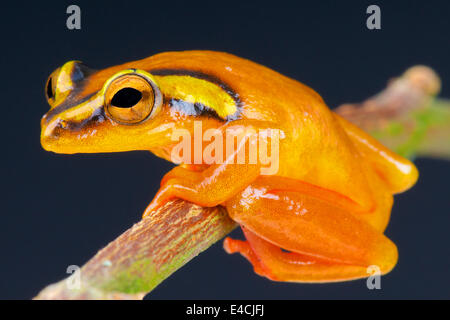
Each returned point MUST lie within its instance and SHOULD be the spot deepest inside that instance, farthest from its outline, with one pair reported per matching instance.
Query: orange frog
(318, 217)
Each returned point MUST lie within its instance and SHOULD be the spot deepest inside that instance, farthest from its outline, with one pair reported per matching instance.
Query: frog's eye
(50, 86)
(131, 98)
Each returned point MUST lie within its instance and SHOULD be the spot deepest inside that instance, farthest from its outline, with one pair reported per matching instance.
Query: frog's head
(125, 108)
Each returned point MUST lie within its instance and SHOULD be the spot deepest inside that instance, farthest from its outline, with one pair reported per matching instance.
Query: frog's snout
(62, 89)
(50, 133)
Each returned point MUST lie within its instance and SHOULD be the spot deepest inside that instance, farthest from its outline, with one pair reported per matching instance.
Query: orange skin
(327, 205)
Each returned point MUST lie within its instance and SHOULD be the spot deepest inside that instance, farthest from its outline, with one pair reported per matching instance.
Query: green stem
(422, 133)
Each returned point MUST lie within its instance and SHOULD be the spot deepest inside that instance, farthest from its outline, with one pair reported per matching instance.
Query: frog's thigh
(398, 173)
(326, 243)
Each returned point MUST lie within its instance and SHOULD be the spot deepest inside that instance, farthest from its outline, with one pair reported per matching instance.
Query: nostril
(62, 124)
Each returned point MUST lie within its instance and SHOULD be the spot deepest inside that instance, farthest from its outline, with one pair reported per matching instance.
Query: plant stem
(146, 254)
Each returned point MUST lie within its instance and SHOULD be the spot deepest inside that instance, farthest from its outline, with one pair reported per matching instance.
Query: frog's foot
(180, 183)
(276, 264)
(243, 247)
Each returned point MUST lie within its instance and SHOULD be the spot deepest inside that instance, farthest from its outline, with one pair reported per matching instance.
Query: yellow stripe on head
(198, 91)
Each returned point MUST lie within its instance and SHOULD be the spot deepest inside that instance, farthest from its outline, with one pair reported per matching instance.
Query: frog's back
(317, 148)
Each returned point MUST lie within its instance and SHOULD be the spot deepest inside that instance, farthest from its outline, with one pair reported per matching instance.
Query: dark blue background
(58, 210)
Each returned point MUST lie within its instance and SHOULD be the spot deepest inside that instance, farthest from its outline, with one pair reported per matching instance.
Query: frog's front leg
(218, 182)
(326, 242)
(207, 188)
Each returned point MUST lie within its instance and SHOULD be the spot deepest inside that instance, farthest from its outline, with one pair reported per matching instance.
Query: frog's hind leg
(271, 261)
(398, 173)
(326, 242)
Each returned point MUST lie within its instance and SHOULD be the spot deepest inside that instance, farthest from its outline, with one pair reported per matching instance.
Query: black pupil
(126, 98)
(50, 89)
